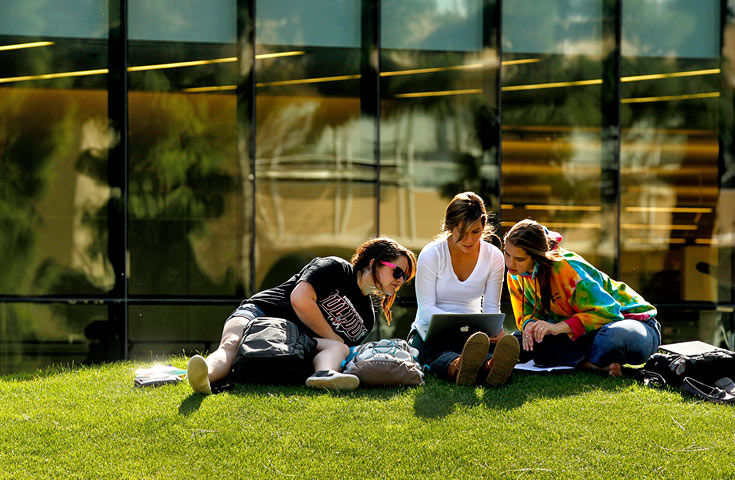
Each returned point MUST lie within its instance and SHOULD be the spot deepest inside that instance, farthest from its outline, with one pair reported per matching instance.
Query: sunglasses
(397, 271)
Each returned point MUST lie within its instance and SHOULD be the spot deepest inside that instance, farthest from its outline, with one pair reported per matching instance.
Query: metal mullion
(610, 136)
(370, 84)
(246, 116)
(370, 91)
(493, 21)
(117, 111)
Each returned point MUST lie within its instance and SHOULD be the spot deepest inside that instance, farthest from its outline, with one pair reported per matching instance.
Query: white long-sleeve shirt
(438, 290)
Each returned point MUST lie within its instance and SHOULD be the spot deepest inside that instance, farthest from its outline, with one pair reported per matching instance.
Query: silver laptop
(689, 348)
(451, 330)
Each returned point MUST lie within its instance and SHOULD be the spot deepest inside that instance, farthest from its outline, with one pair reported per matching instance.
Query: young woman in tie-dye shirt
(570, 313)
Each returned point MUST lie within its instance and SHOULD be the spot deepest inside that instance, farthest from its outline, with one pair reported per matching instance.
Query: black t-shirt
(346, 309)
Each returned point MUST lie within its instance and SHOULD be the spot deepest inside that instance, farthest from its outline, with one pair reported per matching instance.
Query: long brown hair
(383, 249)
(531, 236)
(463, 211)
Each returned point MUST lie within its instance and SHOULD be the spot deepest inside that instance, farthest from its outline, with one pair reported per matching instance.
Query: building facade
(161, 160)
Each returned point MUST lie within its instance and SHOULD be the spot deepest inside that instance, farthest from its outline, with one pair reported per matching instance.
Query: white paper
(530, 366)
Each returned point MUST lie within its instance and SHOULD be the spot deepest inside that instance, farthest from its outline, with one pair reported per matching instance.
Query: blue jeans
(624, 341)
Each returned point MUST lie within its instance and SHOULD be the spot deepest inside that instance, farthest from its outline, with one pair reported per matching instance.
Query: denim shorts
(247, 310)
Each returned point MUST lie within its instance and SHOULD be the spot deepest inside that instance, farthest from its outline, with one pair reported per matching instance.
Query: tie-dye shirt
(581, 295)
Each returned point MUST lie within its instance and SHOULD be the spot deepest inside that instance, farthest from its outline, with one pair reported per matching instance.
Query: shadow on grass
(303, 391)
(439, 398)
(191, 404)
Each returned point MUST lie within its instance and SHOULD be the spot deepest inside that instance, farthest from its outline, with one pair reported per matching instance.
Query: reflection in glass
(438, 110)
(54, 140)
(314, 167)
(724, 225)
(551, 149)
(158, 330)
(184, 180)
(438, 116)
(669, 149)
(679, 324)
(37, 335)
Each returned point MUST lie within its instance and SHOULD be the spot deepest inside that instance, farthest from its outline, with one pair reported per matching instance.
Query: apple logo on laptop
(464, 329)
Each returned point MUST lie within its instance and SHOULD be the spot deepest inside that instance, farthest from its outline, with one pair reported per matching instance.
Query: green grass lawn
(89, 422)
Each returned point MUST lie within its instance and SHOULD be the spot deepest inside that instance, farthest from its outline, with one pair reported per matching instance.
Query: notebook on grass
(451, 330)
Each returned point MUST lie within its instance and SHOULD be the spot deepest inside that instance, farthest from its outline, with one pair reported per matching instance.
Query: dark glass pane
(54, 141)
(669, 149)
(680, 324)
(438, 123)
(186, 209)
(315, 167)
(552, 117)
(37, 335)
(159, 330)
(724, 231)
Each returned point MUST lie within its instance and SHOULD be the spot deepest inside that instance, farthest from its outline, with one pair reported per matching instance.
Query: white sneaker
(332, 380)
(197, 373)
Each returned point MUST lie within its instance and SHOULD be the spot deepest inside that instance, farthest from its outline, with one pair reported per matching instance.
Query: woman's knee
(232, 333)
(624, 332)
(332, 346)
(627, 341)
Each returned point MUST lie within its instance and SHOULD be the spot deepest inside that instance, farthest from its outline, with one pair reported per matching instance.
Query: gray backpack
(385, 362)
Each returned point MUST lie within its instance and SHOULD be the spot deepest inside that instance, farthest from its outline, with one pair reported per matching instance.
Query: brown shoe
(473, 355)
(504, 360)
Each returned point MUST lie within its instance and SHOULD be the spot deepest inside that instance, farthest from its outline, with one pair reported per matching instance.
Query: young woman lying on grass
(569, 312)
(330, 300)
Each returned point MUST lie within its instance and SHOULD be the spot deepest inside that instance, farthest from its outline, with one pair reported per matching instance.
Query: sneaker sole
(346, 382)
(197, 373)
(505, 358)
(473, 355)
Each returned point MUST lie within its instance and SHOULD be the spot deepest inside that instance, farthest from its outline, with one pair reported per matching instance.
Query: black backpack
(664, 369)
(273, 351)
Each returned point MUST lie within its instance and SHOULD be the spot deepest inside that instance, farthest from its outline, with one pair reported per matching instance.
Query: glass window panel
(560, 27)
(551, 138)
(315, 166)
(648, 28)
(55, 18)
(438, 118)
(316, 23)
(680, 324)
(438, 110)
(669, 149)
(159, 330)
(443, 25)
(185, 180)
(33, 336)
(54, 141)
(183, 21)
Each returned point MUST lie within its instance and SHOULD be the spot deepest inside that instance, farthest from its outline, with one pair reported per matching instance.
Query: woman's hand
(527, 343)
(538, 329)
